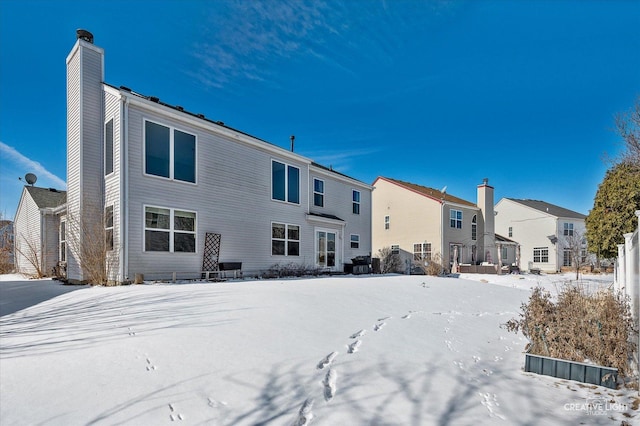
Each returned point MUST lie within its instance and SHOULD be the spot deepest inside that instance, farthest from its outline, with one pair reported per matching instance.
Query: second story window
(387, 222)
(356, 202)
(318, 193)
(510, 231)
(568, 229)
(108, 147)
(474, 227)
(169, 152)
(285, 182)
(108, 227)
(455, 218)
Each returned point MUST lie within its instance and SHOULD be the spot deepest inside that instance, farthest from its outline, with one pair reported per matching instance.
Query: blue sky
(437, 93)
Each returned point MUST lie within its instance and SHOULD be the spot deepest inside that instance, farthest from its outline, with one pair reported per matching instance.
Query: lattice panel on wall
(211, 252)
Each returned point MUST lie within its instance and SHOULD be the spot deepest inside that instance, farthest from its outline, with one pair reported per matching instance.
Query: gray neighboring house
(544, 231)
(37, 235)
(159, 179)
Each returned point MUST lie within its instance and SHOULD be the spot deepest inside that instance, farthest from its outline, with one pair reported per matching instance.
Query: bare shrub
(578, 326)
(6, 261)
(30, 251)
(291, 270)
(434, 266)
(389, 261)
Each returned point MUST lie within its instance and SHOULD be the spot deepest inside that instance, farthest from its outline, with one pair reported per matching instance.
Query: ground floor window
(169, 230)
(505, 253)
(108, 228)
(285, 239)
(541, 255)
(395, 249)
(63, 241)
(421, 251)
(355, 241)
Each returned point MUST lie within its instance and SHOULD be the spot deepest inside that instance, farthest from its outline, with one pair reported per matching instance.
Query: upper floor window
(169, 152)
(355, 241)
(169, 230)
(568, 229)
(356, 202)
(387, 222)
(108, 147)
(510, 231)
(474, 227)
(318, 193)
(108, 227)
(455, 218)
(285, 182)
(285, 239)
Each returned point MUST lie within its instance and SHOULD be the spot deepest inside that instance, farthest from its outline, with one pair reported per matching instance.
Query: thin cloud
(30, 165)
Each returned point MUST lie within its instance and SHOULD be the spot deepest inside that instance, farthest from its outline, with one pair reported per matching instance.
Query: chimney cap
(485, 181)
(84, 35)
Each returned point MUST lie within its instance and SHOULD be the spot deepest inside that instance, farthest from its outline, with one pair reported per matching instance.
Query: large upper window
(285, 239)
(474, 227)
(455, 218)
(285, 182)
(108, 227)
(356, 201)
(169, 152)
(541, 254)
(318, 193)
(568, 229)
(169, 230)
(108, 147)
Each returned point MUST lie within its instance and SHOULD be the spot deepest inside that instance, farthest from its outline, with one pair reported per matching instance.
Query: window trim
(112, 163)
(356, 241)
(423, 254)
(286, 182)
(541, 254)
(355, 204)
(460, 221)
(171, 231)
(286, 239)
(172, 130)
(321, 194)
(568, 229)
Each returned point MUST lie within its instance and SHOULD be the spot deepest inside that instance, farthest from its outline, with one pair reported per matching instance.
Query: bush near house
(578, 326)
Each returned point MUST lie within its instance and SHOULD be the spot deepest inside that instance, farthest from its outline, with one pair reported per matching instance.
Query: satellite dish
(30, 178)
(444, 190)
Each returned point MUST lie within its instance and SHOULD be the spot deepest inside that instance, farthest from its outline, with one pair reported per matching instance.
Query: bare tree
(31, 253)
(628, 127)
(91, 243)
(575, 247)
(6, 245)
(389, 261)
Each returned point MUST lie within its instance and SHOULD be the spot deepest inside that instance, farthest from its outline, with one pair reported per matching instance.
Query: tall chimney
(487, 236)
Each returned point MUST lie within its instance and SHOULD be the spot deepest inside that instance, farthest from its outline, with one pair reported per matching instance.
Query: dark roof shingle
(430, 192)
(47, 197)
(549, 208)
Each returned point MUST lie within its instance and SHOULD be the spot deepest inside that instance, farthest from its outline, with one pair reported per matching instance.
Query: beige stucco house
(420, 223)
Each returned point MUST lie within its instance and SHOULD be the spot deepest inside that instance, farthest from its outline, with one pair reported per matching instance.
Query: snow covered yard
(384, 350)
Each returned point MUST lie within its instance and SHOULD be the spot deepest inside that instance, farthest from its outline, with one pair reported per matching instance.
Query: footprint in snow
(215, 404)
(173, 414)
(305, 415)
(490, 401)
(326, 360)
(150, 366)
(131, 333)
(378, 326)
(407, 316)
(353, 347)
(384, 319)
(329, 384)
(358, 334)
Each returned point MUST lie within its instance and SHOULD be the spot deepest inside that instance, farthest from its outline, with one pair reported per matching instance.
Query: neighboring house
(547, 233)
(37, 230)
(161, 178)
(420, 224)
(6, 246)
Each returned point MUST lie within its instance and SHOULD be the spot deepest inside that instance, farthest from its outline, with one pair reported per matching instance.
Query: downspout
(124, 191)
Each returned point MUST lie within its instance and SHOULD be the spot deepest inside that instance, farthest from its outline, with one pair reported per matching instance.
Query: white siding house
(164, 178)
(36, 230)
(544, 231)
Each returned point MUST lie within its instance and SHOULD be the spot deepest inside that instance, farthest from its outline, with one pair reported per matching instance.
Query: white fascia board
(337, 176)
(214, 128)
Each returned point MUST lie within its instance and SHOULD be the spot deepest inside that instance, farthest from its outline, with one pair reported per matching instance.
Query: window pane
(184, 155)
(293, 248)
(184, 221)
(108, 217)
(63, 252)
(417, 248)
(156, 241)
(109, 239)
(156, 149)
(318, 185)
(108, 147)
(277, 247)
(293, 232)
(356, 196)
(63, 231)
(277, 181)
(356, 208)
(184, 242)
(331, 259)
(318, 200)
(277, 231)
(157, 218)
(293, 192)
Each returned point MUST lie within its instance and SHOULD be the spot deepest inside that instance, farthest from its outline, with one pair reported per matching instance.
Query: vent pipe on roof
(84, 35)
(293, 138)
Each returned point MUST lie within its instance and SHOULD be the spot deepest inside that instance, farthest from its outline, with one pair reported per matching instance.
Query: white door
(326, 249)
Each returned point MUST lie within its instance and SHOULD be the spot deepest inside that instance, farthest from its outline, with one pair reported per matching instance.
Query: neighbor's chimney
(84, 35)
(292, 139)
